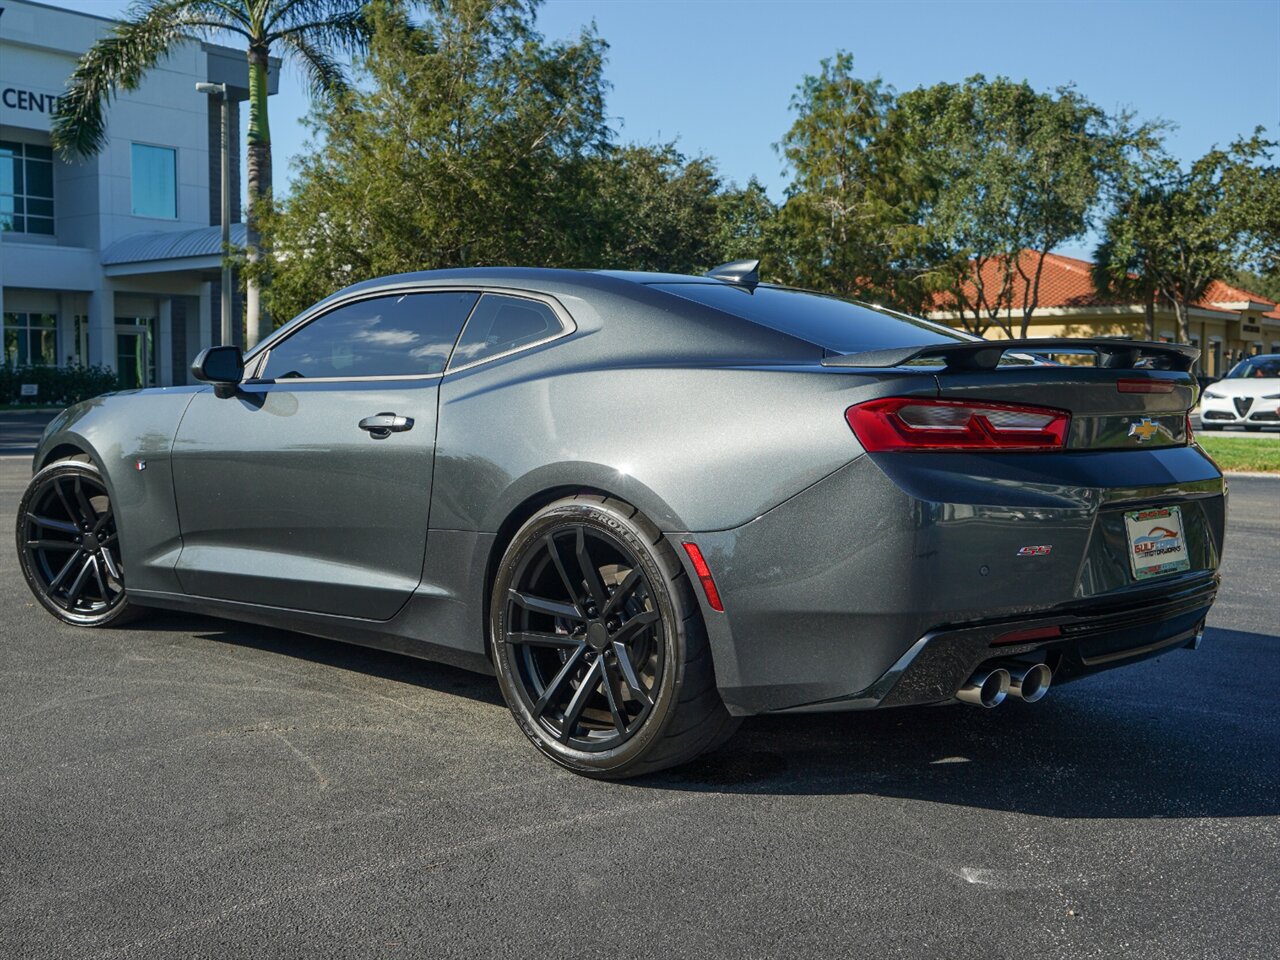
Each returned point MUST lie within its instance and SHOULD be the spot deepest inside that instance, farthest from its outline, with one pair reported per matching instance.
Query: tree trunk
(257, 323)
(1149, 308)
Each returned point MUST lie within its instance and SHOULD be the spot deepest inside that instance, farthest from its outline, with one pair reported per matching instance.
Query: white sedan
(1248, 396)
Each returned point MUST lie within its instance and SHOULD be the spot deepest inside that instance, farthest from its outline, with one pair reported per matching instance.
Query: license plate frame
(1157, 542)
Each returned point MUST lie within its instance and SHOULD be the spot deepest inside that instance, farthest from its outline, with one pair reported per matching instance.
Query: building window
(26, 188)
(30, 338)
(155, 182)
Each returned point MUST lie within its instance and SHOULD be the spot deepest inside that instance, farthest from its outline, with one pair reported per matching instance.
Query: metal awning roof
(170, 250)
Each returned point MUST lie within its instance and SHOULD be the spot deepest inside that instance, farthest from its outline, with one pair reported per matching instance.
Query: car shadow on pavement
(399, 668)
(1103, 748)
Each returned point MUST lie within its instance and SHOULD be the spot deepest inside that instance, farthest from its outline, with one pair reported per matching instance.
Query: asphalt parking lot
(190, 787)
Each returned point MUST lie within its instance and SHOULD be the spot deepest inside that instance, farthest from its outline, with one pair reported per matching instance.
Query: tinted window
(155, 181)
(840, 326)
(396, 336)
(502, 323)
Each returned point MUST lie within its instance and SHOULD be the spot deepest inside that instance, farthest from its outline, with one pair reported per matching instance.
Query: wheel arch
(65, 450)
(518, 515)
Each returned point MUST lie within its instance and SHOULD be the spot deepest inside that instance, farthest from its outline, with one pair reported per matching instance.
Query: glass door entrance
(135, 353)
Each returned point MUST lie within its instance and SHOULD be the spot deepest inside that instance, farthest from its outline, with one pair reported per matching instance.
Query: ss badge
(1042, 550)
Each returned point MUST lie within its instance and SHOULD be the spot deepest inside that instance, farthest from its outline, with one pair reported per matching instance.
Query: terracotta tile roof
(1066, 282)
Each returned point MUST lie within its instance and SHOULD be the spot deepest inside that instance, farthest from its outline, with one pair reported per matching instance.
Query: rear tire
(599, 644)
(69, 548)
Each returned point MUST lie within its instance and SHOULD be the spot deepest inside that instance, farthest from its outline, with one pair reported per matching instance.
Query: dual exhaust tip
(991, 685)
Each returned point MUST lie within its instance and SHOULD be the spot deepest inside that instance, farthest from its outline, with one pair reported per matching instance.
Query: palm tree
(311, 33)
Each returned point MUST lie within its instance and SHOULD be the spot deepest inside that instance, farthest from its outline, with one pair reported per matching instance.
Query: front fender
(129, 438)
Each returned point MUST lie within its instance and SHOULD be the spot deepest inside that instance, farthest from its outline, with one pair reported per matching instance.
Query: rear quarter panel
(698, 446)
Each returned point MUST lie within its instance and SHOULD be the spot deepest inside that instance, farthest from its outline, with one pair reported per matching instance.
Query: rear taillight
(913, 423)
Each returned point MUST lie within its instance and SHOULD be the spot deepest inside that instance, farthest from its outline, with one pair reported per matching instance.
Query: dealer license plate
(1157, 544)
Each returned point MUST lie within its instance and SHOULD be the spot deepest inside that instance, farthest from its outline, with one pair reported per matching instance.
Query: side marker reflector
(1026, 636)
(704, 574)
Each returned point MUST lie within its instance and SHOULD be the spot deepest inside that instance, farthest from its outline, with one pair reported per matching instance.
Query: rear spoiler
(971, 355)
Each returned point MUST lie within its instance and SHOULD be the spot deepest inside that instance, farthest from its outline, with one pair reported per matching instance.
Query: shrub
(56, 386)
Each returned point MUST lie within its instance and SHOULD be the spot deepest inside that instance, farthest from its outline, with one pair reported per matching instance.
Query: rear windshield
(839, 326)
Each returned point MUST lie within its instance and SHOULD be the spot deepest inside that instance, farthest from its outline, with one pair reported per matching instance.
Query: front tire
(69, 546)
(599, 645)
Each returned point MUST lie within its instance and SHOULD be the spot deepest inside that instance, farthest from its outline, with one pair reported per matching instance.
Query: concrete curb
(1245, 473)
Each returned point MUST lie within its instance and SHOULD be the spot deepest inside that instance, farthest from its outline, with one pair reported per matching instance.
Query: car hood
(1246, 387)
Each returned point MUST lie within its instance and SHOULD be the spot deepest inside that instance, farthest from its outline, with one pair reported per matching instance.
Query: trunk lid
(1110, 409)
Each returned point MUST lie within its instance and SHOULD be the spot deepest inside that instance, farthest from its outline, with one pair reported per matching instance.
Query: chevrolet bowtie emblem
(1143, 429)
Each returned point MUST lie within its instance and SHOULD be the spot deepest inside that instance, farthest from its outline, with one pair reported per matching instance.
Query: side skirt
(397, 635)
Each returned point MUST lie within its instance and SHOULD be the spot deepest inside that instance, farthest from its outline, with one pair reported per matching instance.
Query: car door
(310, 489)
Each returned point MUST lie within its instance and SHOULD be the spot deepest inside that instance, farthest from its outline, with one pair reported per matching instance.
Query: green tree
(654, 209)
(469, 139)
(1178, 230)
(311, 33)
(1008, 175)
(849, 220)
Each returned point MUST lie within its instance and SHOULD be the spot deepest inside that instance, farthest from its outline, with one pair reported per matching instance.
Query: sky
(717, 76)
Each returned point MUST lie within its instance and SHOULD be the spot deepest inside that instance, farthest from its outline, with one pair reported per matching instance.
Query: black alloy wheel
(69, 545)
(599, 644)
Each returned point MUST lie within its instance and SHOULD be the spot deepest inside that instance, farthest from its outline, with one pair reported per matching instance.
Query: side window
(403, 335)
(500, 323)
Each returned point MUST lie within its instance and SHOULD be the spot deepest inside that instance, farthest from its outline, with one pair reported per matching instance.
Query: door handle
(383, 425)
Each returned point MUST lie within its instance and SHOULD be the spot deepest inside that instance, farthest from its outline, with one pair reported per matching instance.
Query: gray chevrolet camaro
(651, 504)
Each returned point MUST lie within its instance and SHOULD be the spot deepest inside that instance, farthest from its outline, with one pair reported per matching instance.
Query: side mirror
(221, 366)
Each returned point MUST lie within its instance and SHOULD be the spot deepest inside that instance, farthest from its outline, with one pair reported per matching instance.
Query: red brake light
(704, 574)
(1145, 386)
(915, 423)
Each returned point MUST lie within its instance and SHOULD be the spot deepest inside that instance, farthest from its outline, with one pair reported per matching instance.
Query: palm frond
(340, 25)
(120, 60)
(324, 75)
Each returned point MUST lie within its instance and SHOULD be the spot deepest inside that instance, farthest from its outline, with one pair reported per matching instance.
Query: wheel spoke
(86, 508)
(558, 681)
(614, 697)
(635, 626)
(534, 639)
(66, 568)
(112, 568)
(629, 583)
(595, 589)
(580, 697)
(102, 583)
(51, 524)
(555, 608)
(77, 585)
(553, 551)
(629, 673)
(53, 545)
(62, 498)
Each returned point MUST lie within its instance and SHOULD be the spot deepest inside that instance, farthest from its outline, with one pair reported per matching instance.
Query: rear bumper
(1094, 637)
(886, 582)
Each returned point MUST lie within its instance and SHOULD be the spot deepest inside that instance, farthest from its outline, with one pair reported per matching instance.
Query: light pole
(220, 90)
